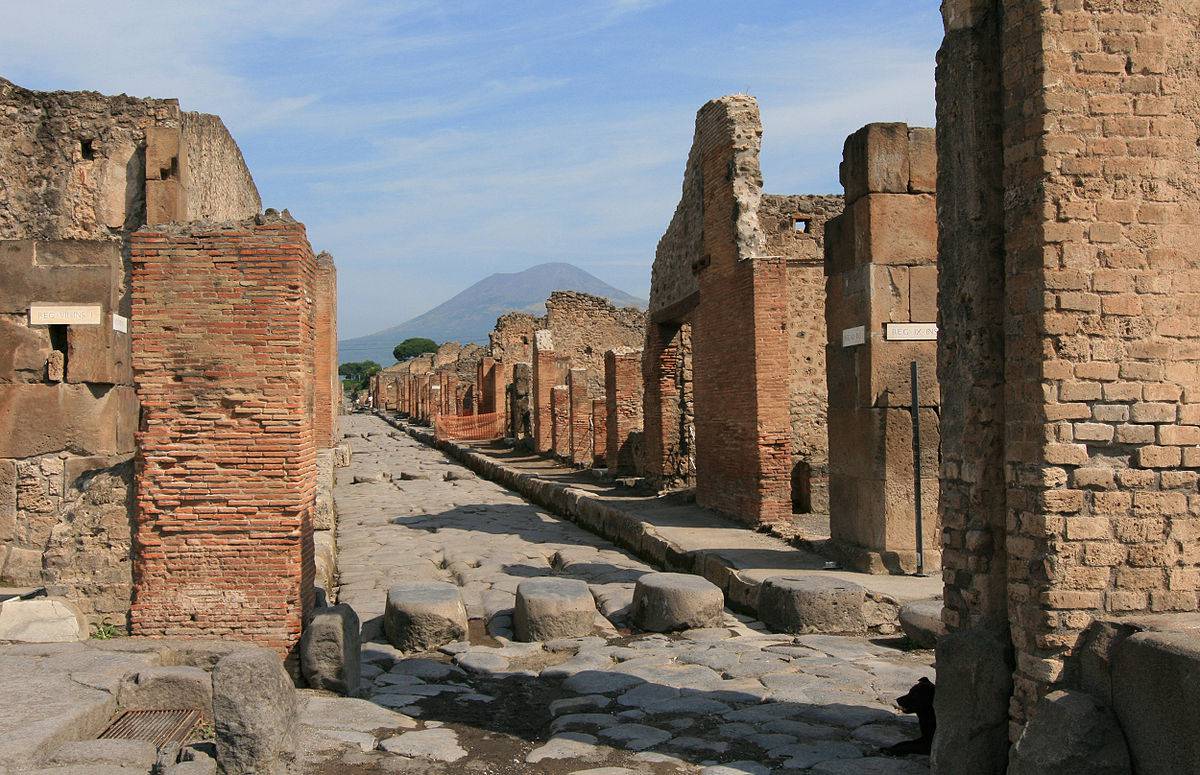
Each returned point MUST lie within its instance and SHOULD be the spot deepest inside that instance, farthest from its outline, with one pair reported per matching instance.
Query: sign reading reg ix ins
(64, 314)
(911, 332)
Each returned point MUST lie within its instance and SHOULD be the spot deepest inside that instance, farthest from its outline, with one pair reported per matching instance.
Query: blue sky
(428, 144)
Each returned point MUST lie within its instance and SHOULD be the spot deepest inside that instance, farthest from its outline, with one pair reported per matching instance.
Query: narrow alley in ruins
(728, 699)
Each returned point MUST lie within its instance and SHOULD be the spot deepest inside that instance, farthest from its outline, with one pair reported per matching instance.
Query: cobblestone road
(733, 699)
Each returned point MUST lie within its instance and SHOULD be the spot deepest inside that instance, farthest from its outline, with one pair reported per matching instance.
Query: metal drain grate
(156, 726)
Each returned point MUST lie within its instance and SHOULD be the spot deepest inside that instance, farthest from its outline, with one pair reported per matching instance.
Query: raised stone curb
(627, 531)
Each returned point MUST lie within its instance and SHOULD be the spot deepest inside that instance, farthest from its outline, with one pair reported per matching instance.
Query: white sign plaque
(854, 336)
(911, 332)
(64, 314)
(120, 323)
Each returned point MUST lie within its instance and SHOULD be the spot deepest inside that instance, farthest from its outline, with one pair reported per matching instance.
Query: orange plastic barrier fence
(469, 427)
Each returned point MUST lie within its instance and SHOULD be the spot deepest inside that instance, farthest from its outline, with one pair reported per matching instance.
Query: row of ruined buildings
(723, 384)
(1033, 256)
(168, 374)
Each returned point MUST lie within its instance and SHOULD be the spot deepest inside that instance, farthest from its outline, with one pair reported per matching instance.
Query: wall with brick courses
(326, 392)
(781, 219)
(580, 421)
(739, 322)
(227, 463)
(623, 408)
(1091, 137)
(881, 262)
(76, 184)
(599, 433)
(560, 421)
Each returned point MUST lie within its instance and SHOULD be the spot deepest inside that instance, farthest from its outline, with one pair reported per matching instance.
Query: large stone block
(330, 650)
(549, 608)
(23, 352)
(921, 621)
(894, 229)
(1155, 693)
(922, 160)
(255, 714)
(1072, 734)
(875, 159)
(665, 602)
(424, 615)
(173, 688)
(812, 604)
(37, 419)
(42, 620)
(974, 683)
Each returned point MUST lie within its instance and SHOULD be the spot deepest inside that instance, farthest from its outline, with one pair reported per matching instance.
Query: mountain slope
(470, 315)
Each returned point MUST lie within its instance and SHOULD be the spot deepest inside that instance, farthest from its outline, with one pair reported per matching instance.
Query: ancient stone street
(726, 699)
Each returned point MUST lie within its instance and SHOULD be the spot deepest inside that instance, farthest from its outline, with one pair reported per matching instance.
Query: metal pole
(916, 424)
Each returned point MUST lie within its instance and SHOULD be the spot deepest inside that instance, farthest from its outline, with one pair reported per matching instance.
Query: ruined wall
(1091, 135)
(881, 263)
(585, 326)
(623, 409)
(217, 182)
(72, 164)
(794, 227)
(326, 390)
(74, 183)
(227, 460)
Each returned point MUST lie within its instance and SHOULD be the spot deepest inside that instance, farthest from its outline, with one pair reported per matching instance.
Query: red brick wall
(599, 432)
(580, 419)
(623, 406)
(325, 388)
(560, 421)
(743, 428)
(223, 334)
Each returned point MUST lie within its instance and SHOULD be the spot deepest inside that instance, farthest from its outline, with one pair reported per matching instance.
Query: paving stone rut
(732, 698)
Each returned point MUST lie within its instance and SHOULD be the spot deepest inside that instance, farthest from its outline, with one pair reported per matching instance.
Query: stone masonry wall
(218, 183)
(326, 389)
(881, 263)
(224, 334)
(74, 184)
(586, 326)
(794, 227)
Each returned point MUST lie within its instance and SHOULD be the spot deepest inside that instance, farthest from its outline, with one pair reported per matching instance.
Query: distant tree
(356, 375)
(414, 346)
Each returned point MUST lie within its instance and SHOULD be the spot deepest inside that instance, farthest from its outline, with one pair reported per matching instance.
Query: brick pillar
(560, 421)
(881, 267)
(580, 417)
(623, 407)
(545, 374)
(660, 366)
(435, 402)
(325, 390)
(223, 335)
(599, 433)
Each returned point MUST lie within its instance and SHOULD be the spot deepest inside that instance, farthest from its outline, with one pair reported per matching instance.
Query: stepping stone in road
(424, 615)
(812, 604)
(664, 602)
(549, 608)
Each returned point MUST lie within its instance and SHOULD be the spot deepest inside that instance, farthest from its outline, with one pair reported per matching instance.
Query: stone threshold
(678, 538)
